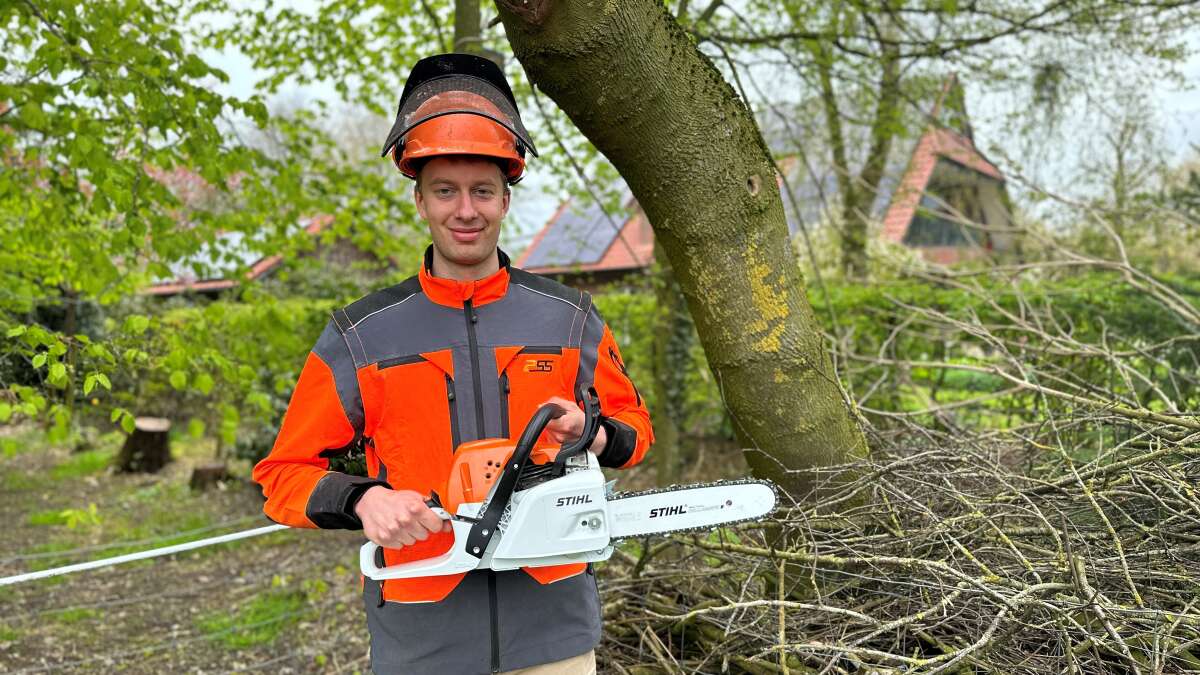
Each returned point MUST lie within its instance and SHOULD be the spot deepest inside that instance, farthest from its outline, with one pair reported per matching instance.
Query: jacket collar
(453, 293)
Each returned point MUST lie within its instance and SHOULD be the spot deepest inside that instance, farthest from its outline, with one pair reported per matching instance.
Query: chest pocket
(414, 440)
(418, 424)
(528, 376)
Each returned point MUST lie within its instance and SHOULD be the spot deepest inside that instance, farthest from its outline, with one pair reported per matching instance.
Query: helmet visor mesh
(456, 94)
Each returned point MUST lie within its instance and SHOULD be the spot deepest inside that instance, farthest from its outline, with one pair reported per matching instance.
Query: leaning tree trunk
(630, 79)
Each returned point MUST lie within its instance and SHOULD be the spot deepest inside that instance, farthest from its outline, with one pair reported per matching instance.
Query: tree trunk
(208, 475)
(632, 81)
(467, 20)
(883, 130)
(148, 448)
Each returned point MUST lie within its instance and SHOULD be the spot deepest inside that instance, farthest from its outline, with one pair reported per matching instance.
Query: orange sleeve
(323, 419)
(623, 410)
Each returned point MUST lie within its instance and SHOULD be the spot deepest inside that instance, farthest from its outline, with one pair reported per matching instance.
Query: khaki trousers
(584, 664)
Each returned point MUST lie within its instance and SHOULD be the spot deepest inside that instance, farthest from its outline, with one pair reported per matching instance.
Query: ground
(284, 602)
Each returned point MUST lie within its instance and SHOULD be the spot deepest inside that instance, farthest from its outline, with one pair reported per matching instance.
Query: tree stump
(208, 475)
(148, 448)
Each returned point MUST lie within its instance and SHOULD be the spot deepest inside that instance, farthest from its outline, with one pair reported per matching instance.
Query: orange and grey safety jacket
(410, 372)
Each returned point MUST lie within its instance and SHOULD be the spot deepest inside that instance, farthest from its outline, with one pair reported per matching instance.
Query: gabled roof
(934, 145)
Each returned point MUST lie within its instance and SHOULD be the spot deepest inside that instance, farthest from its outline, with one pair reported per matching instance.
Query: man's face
(463, 200)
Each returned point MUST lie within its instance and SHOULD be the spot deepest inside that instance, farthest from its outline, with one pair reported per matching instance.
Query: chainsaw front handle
(454, 561)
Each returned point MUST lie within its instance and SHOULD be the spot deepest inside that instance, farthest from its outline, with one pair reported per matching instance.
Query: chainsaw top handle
(591, 426)
(482, 531)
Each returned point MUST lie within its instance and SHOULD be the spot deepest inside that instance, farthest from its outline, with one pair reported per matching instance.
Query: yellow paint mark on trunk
(769, 302)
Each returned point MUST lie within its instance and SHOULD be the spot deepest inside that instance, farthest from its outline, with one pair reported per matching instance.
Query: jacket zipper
(455, 435)
(473, 343)
(494, 615)
(504, 389)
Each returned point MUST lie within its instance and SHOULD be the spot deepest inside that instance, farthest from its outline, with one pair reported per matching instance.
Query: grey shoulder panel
(544, 285)
(535, 311)
(592, 332)
(381, 299)
(381, 325)
(333, 348)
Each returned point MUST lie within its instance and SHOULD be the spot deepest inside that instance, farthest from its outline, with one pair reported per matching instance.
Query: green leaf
(89, 383)
(6, 411)
(178, 380)
(32, 114)
(195, 428)
(58, 374)
(137, 324)
(103, 379)
(204, 383)
(39, 359)
(127, 423)
(15, 331)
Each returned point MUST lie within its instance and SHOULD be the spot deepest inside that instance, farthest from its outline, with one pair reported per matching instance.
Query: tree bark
(631, 80)
(467, 21)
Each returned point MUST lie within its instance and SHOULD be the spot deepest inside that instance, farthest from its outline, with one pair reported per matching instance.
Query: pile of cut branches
(1064, 540)
(934, 560)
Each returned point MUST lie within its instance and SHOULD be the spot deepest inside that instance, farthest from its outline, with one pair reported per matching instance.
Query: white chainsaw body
(560, 521)
(570, 516)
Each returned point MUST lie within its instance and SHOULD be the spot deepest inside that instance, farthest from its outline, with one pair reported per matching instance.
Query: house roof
(590, 240)
(229, 246)
(934, 145)
(584, 239)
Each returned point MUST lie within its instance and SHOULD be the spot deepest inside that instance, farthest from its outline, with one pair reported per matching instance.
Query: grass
(83, 464)
(53, 546)
(20, 481)
(258, 622)
(45, 518)
(27, 439)
(8, 634)
(70, 616)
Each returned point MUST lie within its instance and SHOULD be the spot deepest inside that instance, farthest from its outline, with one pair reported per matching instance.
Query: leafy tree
(122, 160)
(870, 69)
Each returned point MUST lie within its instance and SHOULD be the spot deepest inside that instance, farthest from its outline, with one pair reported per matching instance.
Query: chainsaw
(534, 504)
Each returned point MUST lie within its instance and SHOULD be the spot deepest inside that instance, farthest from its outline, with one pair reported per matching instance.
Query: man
(467, 349)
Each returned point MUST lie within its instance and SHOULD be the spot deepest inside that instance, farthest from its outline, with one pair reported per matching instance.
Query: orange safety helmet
(449, 130)
(458, 104)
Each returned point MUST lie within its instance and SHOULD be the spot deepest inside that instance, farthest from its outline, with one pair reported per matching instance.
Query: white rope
(140, 555)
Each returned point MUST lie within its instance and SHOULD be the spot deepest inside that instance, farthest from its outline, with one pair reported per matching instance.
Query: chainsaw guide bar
(760, 504)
